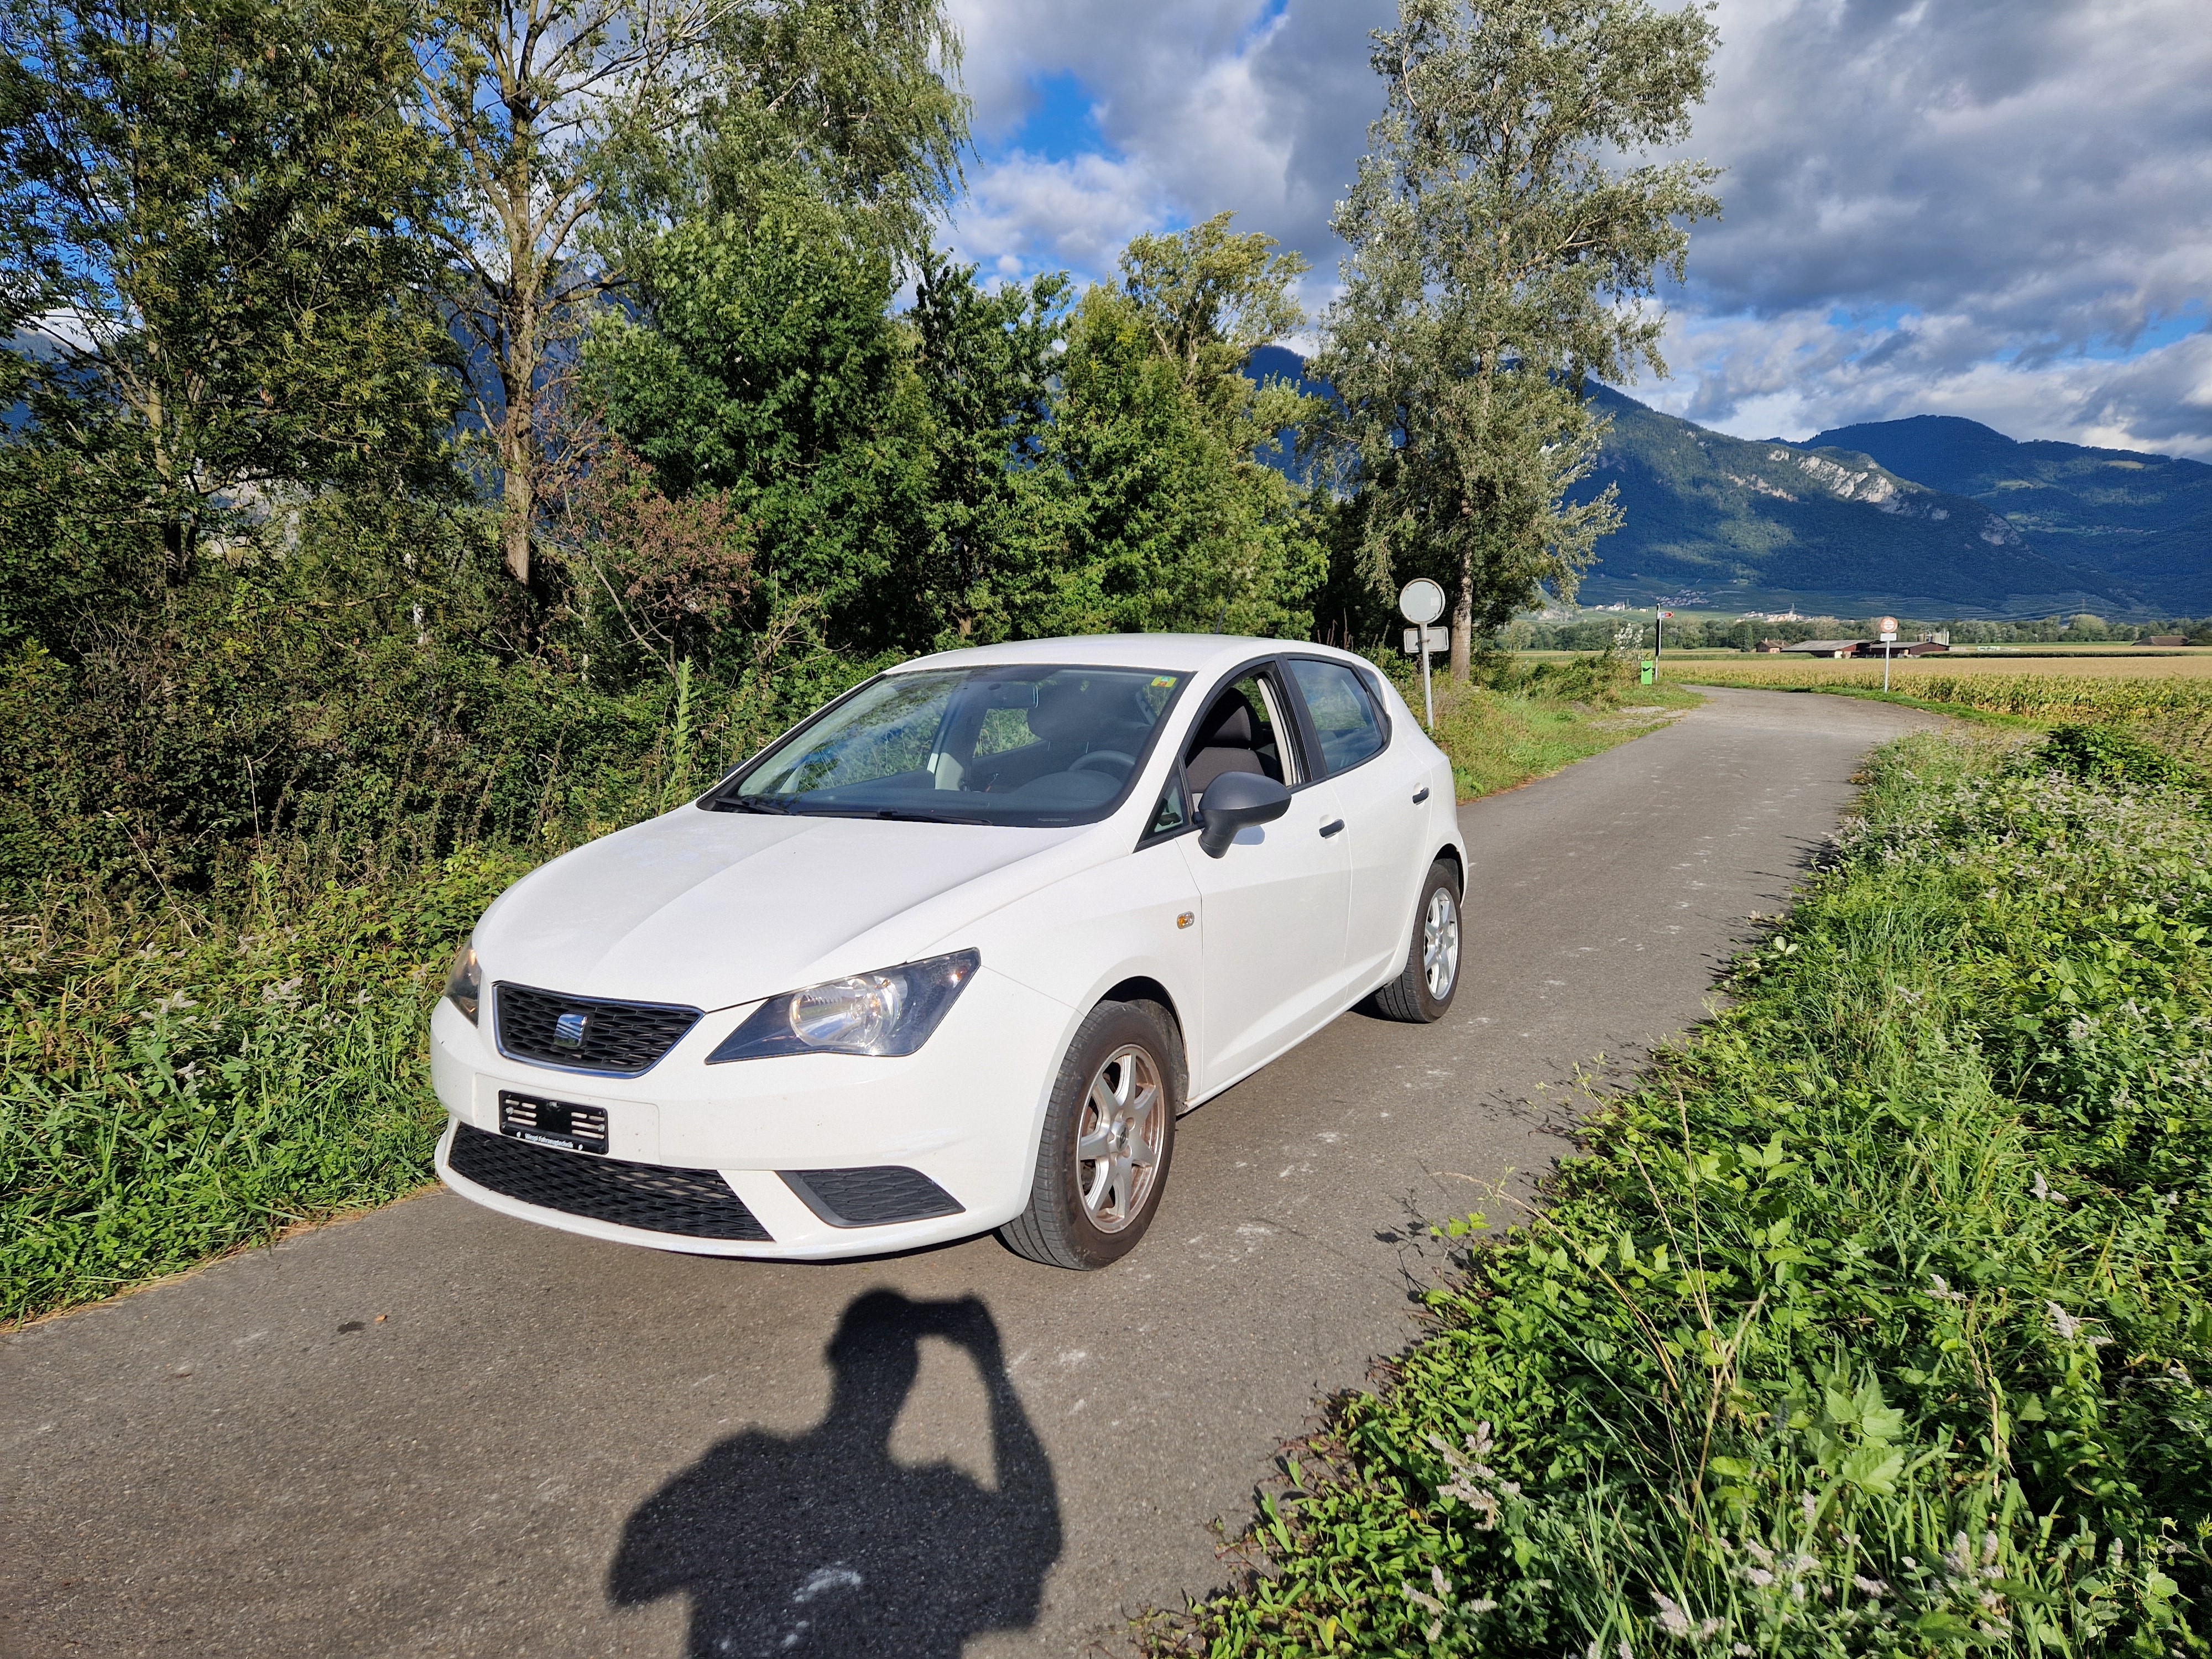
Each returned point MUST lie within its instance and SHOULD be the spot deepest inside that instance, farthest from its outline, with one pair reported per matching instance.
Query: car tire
(1424, 987)
(1118, 1091)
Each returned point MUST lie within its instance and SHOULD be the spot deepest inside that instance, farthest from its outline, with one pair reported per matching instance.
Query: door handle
(1421, 794)
(1332, 827)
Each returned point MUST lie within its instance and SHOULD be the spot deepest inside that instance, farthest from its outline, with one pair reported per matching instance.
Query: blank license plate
(553, 1122)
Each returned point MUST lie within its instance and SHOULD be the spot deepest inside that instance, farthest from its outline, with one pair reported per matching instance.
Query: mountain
(1932, 517)
(1740, 523)
(2144, 520)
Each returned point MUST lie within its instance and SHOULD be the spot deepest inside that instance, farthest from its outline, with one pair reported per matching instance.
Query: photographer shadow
(821, 1544)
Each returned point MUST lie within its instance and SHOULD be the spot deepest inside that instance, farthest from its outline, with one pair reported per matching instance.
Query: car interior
(1237, 734)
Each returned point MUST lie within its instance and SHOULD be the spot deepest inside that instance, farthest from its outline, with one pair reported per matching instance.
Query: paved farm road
(437, 1431)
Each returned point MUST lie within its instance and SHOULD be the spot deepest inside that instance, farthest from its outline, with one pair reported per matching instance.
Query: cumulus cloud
(1251, 105)
(1024, 212)
(1995, 208)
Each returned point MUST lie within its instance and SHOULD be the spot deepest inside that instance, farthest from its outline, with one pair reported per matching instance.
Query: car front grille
(687, 1203)
(874, 1196)
(586, 1035)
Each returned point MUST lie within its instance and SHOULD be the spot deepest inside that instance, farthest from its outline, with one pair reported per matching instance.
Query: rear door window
(1345, 719)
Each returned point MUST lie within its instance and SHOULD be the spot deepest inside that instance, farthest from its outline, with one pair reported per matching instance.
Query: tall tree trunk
(518, 464)
(1462, 624)
(522, 323)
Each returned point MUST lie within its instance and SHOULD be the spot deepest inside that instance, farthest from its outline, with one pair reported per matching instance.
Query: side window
(1244, 728)
(1171, 814)
(1343, 715)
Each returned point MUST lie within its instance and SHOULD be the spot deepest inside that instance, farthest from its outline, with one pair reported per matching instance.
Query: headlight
(889, 1013)
(465, 985)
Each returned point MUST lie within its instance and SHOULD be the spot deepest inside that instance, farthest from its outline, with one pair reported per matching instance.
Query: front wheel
(1108, 1138)
(1422, 989)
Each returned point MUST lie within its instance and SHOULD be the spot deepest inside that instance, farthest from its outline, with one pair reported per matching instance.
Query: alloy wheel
(1118, 1139)
(1440, 944)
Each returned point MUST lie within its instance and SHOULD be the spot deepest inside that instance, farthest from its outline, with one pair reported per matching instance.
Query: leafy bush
(1873, 1319)
(2108, 753)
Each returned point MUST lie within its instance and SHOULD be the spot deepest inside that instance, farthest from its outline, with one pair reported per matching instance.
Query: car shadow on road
(822, 1544)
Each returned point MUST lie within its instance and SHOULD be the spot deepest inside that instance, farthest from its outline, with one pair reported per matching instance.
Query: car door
(1271, 909)
(1381, 789)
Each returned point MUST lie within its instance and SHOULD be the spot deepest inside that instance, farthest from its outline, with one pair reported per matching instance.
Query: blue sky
(1999, 209)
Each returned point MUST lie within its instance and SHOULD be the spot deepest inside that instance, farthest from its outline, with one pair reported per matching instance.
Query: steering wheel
(1098, 759)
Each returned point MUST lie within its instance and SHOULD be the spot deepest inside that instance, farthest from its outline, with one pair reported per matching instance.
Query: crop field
(1741, 669)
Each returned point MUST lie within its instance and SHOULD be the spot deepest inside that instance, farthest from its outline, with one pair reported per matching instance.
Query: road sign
(1438, 639)
(1421, 600)
(1887, 626)
(1669, 615)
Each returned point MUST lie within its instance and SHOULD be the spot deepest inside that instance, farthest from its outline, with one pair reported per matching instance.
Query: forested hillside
(1761, 524)
(2146, 519)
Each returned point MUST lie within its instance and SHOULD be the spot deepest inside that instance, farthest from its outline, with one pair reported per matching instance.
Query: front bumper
(965, 1111)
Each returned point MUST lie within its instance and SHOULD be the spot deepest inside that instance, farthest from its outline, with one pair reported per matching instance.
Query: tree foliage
(218, 219)
(586, 129)
(1498, 255)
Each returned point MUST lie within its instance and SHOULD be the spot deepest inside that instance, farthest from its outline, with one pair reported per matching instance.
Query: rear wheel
(1108, 1138)
(1424, 988)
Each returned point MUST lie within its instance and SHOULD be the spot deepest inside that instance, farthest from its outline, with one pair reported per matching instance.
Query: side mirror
(1232, 801)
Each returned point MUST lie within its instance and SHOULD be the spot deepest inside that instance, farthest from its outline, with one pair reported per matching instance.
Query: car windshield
(1019, 745)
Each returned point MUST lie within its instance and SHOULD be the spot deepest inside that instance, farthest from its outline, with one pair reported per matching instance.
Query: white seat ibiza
(954, 953)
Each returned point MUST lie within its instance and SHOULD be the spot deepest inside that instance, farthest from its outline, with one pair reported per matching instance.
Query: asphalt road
(438, 1432)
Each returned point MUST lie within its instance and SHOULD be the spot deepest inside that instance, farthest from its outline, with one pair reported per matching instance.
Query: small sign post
(1421, 602)
(1887, 626)
(1659, 648)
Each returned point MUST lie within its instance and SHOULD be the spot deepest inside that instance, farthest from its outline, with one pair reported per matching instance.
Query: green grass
(1518, 722)
(178, 1083)
(1873, 1320)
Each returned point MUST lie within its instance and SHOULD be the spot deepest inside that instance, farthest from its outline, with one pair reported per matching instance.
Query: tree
(1210, 299)
(218, 226)
(1174, 519)
(848, 101)
(1498, 257)
(763, 363)
(585, 128)
(983, 363)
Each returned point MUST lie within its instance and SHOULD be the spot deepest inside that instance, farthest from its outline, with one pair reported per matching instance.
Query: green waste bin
(1651, 673)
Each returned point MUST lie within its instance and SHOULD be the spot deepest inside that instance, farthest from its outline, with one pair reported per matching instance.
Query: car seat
(1225, 743)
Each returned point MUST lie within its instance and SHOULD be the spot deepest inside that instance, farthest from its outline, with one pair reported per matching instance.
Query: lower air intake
(872, 1197)
(686, 1203)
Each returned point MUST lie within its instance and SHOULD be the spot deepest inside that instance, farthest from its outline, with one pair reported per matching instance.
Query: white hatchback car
(954, 953)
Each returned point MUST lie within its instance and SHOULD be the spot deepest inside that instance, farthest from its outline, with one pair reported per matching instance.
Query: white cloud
(1798, 374)
(1241, 104)
(1023, 214)
(1997, 207)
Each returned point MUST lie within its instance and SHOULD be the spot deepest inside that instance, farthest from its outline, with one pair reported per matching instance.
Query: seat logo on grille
(569, 1030)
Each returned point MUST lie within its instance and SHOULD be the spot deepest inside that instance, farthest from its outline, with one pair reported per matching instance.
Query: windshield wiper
(749, 803)
(897, 816)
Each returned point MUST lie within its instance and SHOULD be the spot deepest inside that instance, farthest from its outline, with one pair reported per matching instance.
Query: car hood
(717, 908)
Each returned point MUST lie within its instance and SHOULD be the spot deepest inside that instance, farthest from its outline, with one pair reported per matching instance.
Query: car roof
(1184, 653)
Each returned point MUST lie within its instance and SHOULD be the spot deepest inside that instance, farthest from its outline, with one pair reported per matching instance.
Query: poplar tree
(1501, 250)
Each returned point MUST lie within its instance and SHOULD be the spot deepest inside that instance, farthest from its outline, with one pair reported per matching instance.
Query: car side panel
(1076, 939)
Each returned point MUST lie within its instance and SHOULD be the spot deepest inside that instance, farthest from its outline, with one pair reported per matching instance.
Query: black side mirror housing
(1233, 801)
